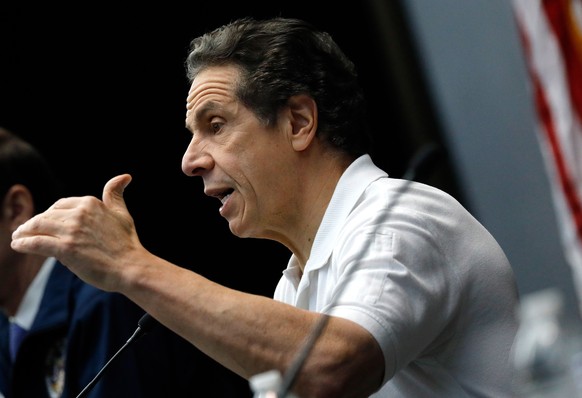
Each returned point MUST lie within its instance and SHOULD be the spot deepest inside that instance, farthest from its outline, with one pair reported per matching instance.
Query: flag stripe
(563, 22)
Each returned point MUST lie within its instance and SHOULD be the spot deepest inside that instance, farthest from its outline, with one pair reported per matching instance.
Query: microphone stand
(145, 324)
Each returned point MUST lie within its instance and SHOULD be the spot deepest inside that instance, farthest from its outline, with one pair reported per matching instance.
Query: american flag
(551, 34)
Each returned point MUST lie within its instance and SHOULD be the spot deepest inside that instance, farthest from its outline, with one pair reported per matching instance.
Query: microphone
(144, 326)
(419, 162)
(423, 158)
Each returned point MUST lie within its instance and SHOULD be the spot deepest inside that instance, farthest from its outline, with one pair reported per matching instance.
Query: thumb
(113, 192)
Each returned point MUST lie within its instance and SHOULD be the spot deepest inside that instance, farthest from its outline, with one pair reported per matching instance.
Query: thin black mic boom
(144, 325)
(419, 162)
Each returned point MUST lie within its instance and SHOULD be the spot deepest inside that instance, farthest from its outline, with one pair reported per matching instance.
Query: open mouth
(223, 196)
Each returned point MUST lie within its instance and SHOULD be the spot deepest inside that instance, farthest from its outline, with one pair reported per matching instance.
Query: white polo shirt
(408, 263)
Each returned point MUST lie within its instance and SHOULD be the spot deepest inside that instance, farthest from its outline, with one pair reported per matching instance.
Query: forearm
(250, 334)
(246, 333)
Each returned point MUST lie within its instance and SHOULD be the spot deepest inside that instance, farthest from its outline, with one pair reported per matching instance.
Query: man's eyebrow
(207, 107)
(201, 112)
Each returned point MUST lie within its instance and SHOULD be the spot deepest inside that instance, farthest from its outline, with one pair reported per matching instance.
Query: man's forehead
(222, 74)
(219, 81)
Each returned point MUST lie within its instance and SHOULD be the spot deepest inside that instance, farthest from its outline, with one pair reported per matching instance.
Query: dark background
(101, 90)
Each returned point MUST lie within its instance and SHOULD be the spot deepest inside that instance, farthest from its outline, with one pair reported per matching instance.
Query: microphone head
(147, 323)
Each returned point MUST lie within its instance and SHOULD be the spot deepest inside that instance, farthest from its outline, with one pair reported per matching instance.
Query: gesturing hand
(94, 238)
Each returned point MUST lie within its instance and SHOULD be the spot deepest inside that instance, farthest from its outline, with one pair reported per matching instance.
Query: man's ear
(17, 205)
(303, 114)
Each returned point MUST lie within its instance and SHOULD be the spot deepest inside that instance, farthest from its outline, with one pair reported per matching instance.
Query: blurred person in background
(71, 329)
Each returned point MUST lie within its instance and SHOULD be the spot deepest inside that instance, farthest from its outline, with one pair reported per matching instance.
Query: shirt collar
(349, 189)
(31, 302)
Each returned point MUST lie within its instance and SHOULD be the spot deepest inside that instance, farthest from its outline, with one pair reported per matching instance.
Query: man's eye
(216, 127)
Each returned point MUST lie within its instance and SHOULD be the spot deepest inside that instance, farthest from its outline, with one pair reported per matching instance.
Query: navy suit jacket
(79, 328)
